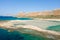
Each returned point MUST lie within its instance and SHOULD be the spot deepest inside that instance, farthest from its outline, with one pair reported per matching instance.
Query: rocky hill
(42, 14)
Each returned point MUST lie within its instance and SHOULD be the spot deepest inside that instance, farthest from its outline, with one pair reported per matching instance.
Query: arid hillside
(42, 14)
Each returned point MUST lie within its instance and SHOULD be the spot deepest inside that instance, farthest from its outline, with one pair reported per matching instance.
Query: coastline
(47, 33)
(48, 19)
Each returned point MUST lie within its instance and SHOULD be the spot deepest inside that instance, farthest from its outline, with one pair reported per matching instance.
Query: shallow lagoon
(18, 35)
(54, 28)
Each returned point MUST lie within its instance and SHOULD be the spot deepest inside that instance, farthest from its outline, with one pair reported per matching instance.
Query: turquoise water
(5, 35)
(16, 35)
(13, 18)
(54, 28)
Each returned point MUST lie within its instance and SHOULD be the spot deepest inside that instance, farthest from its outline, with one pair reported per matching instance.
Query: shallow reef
(16, 35)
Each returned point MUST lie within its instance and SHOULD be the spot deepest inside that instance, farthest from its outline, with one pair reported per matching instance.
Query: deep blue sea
(13, 18)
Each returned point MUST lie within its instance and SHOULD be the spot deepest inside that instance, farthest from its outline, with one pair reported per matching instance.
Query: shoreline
(48, 19)
(46, 33)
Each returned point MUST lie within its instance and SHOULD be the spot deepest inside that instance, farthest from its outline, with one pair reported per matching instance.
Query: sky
(13, 7)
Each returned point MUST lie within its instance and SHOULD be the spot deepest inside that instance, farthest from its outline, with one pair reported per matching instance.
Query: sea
(5, 34)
